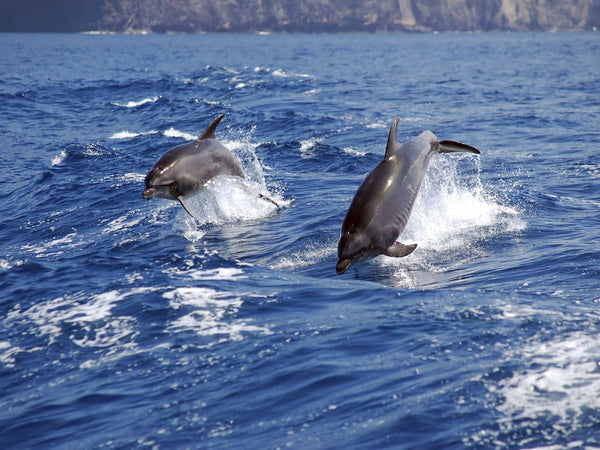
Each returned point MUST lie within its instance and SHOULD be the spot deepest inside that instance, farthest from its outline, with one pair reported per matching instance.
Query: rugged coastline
(200, 16)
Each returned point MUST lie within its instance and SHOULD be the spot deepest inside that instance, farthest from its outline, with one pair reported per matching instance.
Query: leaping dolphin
(185, 169)
(381, 207)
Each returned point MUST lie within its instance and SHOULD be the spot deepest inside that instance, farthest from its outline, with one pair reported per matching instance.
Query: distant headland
(311, 16)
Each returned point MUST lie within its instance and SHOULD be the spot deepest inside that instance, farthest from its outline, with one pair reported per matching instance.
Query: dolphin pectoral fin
(456, 147)
(270, 200)
(180, 198)
(398, 250)
(209, 133)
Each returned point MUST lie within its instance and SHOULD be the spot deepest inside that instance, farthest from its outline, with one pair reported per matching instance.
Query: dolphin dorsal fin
(392, 143)
(209, 133)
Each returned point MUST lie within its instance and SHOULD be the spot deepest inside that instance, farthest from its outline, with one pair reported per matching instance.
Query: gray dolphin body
(185, 169)
(382, 204)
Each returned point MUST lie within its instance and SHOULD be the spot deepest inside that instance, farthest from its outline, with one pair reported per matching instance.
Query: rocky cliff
(297, 15)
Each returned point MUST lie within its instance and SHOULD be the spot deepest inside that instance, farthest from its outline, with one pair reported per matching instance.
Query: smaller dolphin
(381, 207)
(185, 169)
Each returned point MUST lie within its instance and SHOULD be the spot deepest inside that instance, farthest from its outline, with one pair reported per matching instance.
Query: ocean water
(126, 324)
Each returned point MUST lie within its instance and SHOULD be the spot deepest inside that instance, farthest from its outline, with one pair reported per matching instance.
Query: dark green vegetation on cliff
(194, 16)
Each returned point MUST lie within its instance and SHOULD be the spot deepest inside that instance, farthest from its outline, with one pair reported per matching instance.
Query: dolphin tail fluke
(456, 147)
(187, 210)
(209, 133)
(398, 250)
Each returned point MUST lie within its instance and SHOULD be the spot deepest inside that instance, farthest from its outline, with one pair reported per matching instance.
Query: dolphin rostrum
(185, 169)
(382, 204)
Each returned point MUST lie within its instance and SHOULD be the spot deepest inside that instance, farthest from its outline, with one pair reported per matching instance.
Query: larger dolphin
(382, 204)
(185, 169)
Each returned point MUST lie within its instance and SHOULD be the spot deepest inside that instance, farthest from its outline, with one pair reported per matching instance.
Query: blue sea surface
(124, 323)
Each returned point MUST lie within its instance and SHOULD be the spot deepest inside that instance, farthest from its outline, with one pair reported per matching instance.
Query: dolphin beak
(149, 193)
(343, 265)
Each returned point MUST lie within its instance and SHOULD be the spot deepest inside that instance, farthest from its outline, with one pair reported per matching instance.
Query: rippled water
(125, 323)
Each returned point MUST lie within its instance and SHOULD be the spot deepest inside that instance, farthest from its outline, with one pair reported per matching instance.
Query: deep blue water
(125, 324)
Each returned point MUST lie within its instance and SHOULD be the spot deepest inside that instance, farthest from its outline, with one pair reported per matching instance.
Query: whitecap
(313, 92)
(307, 146)
(6, 264)
(130, 135)
(221, 273)
(54, 247)
(354, 151)
(135, 104)
(283, 74)
(172, 132)
(8, 353)
(123, 223)
(57, 160)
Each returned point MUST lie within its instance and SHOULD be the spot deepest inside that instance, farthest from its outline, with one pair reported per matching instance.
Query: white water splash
(453, 211)
(230, 199)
